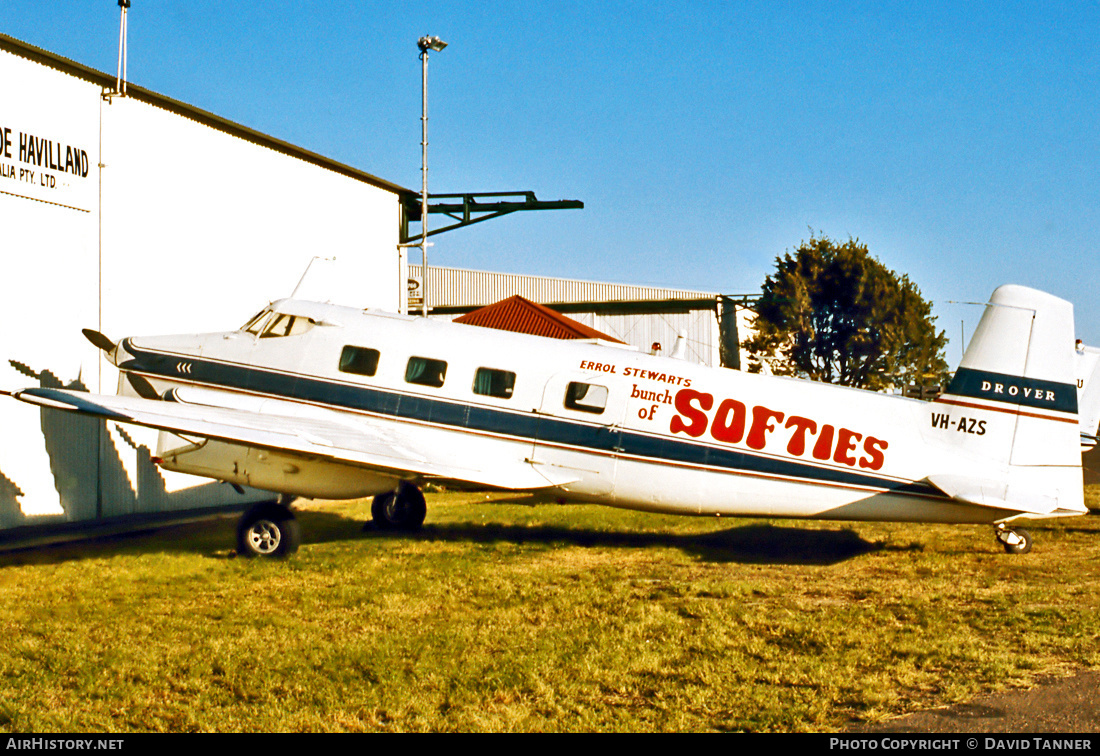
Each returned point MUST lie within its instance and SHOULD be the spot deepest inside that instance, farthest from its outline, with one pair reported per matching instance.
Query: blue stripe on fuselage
(527, 426)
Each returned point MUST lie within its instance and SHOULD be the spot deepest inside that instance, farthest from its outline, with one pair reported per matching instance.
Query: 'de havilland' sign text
(36, 163)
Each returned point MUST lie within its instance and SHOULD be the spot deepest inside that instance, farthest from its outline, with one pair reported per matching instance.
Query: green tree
(834, 313)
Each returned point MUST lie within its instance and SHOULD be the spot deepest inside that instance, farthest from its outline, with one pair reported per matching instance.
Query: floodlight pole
(425, 43)
(120, 80)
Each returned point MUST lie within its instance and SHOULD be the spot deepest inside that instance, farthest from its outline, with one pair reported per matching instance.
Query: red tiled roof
(524, 316)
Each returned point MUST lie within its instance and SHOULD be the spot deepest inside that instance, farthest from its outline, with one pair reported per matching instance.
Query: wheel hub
(264, 536)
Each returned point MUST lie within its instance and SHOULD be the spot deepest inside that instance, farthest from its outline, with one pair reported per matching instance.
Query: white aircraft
(1088, 394)
(318, 400)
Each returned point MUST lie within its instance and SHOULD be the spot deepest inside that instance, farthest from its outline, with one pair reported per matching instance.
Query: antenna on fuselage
(305, 273)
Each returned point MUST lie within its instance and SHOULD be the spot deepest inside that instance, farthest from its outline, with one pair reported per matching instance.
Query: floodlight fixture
(430, 43)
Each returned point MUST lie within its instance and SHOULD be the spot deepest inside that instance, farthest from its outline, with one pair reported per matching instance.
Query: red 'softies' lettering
(697, 418)
(729, 422)
(823, 449)
(761, 425)
(873, 447)
(728, 425)
(846, 442)
(797, 444)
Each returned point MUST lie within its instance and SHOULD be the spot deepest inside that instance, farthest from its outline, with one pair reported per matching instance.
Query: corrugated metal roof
(524, 316)
(107, 81)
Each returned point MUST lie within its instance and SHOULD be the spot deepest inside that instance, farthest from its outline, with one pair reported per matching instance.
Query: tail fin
(1018, 376)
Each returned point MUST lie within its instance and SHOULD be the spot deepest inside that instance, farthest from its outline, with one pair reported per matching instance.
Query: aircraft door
(579, 432)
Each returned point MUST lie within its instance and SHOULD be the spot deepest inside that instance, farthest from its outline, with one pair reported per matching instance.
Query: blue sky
(959, 141)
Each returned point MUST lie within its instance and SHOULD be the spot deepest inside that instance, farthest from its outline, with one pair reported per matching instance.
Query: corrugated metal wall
(638, 315)
(700, 327)
(451, 287)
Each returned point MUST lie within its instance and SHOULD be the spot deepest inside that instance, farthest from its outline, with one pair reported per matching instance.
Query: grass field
(507, 616)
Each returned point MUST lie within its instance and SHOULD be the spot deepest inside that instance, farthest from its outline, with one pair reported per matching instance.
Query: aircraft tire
(401, 509)
(1022, 546)
(378, 507)
(268, 530)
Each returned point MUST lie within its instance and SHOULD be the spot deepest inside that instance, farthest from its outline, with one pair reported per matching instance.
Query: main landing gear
(268, 529)
(1014, 540)
(400, 509)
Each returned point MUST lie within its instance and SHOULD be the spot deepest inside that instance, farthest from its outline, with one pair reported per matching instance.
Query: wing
(359, 440)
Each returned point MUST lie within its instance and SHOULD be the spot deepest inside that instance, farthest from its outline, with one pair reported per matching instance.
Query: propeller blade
(143, 388)
(98, 339)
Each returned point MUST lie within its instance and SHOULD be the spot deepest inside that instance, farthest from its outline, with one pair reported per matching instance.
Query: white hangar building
(140, 214)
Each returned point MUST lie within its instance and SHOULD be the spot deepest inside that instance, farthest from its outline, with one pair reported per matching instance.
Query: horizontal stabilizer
(996, 494)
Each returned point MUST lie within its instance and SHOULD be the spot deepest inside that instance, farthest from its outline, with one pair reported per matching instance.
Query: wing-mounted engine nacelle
(269, 470)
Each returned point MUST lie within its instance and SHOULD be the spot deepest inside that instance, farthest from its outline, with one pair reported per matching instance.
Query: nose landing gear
(268, 529)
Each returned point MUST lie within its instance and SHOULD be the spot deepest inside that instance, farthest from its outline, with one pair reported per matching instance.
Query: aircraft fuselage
(599, 423)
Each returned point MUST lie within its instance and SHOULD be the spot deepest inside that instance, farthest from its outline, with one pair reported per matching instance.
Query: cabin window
(425, 371)
(276, 327)
(286, 325)
(498, 383)
(586, 397)
(257, 323)
(359, 360)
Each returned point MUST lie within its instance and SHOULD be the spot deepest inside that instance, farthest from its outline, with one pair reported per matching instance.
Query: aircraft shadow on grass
(746, 544)
(741, 544)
